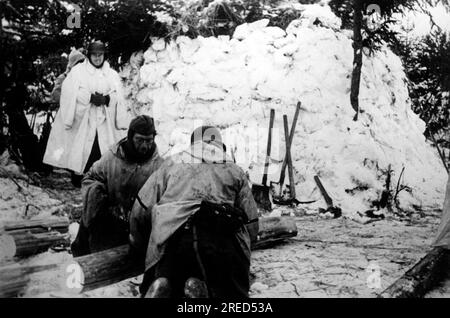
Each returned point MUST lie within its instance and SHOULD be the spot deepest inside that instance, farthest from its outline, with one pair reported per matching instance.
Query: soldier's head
(96, 53)
(208, 134)
(141, 134)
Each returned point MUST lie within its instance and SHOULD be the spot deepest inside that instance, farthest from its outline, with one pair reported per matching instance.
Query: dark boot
(160, 288)
(195, 288)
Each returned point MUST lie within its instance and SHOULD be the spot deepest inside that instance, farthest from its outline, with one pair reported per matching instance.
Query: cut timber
(22, 243)
(60, 224)
(28, 237)
(422, 277)
(108, 267)
(113, 265)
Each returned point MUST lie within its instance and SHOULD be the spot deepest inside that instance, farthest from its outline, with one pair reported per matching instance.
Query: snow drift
(234, 82)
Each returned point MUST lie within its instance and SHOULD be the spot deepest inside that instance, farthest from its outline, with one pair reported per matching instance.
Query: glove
(107, 99)
(98, 99)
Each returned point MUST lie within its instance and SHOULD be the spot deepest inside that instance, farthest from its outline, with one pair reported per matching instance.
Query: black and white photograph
(241, 151)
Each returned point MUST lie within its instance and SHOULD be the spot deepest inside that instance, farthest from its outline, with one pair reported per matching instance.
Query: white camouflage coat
(77, 120)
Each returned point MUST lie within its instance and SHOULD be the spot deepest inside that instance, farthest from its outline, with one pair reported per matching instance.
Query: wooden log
(113, 265)
(23, 243)
(60, 224)
(108, 267)
(422, 277)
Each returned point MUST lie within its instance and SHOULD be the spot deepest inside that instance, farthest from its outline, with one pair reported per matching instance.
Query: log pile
(25, 238)
(113, 265)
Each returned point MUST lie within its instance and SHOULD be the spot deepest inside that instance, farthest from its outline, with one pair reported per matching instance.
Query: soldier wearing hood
(195, 220)
(92, 115)
(75, 57)
(111, 185)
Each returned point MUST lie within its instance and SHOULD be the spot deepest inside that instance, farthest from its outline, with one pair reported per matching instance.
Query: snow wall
(234, 82)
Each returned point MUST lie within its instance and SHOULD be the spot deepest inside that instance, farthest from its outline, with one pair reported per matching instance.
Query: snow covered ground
(328, 258)
(19, 198)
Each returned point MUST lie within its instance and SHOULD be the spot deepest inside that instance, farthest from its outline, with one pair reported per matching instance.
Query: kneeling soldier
(196, 218)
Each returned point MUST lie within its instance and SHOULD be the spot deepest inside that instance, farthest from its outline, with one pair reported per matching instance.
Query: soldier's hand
(97, 99)
(107, 99)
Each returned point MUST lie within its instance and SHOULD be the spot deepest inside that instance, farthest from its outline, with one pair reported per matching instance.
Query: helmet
(96, 47)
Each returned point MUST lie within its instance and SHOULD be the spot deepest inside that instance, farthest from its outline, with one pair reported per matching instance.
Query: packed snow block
(150, 56)
(243, 31)
(232, 82)
(158, 44)
(275, 32)
(315, 14)
(207, 94)
(187, 48)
